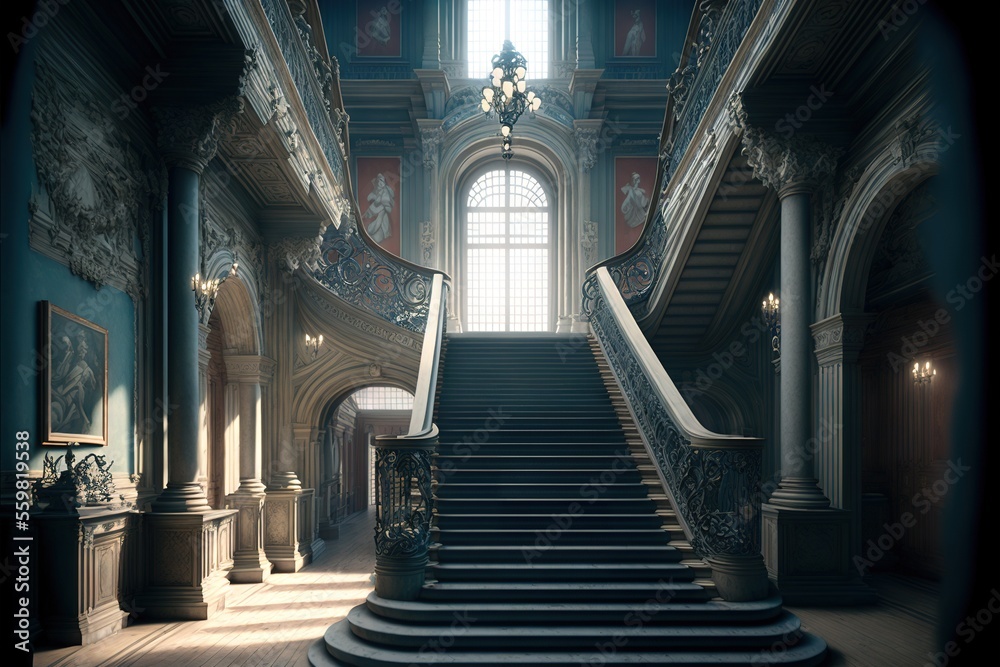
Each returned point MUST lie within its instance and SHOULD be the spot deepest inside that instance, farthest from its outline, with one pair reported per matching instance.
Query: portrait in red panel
(634, 177)
(378, 28)
(635, 28)
(379, 199)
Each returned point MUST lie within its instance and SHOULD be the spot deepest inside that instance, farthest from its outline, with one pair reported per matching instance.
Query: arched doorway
(348, 431)
(507, 250)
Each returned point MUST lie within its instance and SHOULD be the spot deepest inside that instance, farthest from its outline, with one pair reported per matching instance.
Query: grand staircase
(553, 543)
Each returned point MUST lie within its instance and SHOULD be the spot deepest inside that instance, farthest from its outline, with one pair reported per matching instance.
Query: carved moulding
(98, 187)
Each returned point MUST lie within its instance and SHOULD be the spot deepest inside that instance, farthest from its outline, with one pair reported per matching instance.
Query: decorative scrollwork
(403, 502)
(365, 276)
(88, 482)
(695, 84)
(716, 491)
(313, 79)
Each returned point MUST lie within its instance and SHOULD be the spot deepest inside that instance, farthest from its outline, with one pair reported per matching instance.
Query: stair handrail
(715, 33)
(713, 479)
(403, 478)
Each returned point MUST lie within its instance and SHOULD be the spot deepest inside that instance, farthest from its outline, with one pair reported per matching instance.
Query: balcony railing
(717, 30)
(350, 264)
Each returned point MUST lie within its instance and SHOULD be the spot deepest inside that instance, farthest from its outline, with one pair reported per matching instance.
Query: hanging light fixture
(507, 94)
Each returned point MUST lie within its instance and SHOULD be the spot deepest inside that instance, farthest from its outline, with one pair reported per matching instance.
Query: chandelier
(507, 95)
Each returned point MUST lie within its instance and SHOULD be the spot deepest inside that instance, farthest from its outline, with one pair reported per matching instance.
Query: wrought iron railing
(403, 499)
(350, 264)
(306, 67)
(713, 479)
(717, 34)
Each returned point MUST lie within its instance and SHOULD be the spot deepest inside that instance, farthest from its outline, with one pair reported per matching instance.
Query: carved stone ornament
(98, 187)
(586, 147)
(588, 243)
(295, 252)
(784, 163)
(431, 139)
(189, 136)
(427, 240)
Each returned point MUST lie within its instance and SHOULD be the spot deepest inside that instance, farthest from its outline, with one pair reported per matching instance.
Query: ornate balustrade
(347, 261)
(717, 29)
(403, 498)
(713, 479)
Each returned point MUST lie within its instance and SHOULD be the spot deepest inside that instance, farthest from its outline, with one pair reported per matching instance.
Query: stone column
(189, 546)
(806, 543)
(250, 561)
(204, 455)
(587, 134)
(838, 342)
(188, 138)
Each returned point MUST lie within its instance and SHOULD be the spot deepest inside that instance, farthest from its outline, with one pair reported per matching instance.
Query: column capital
(249, 368)
(840, 337)
(790, 164)
(188, 136)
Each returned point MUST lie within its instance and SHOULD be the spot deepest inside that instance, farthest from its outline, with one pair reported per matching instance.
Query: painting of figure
(378, 28)
(634, 178)
(635, 28)
(75, 386)
(378, 198)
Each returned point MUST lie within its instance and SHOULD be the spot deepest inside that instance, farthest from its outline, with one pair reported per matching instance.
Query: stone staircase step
(561, 572)
(570, 537)
(552, 591)
(560, 553)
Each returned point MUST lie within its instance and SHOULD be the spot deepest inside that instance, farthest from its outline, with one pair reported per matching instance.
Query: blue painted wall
(27, 277)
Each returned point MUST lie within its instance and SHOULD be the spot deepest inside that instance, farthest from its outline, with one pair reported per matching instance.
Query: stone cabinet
(89, 571)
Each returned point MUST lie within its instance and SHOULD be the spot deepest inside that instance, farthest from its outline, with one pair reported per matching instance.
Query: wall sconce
(772, 318)
(924, 374)
(206, 291)
(313, 344)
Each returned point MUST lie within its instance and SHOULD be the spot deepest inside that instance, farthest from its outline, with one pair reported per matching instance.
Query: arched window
(507, 253)
(524, 22)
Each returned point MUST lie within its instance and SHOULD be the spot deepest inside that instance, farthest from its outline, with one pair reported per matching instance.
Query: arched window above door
(507, 258)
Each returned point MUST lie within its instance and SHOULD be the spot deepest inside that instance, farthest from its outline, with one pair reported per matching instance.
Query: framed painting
(635, 28)
(378, 30)
(379, 199)
(634, 179)
(75, 379)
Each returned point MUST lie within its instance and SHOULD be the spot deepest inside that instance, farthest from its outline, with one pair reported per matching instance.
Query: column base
(400, 578)
(284, 542)
(740, 578)
(189, 497)
(250, 563)
(807, 553)
(189, 555)
(799, 493)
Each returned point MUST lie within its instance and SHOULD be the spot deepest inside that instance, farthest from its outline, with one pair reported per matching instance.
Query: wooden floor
(273, 624)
